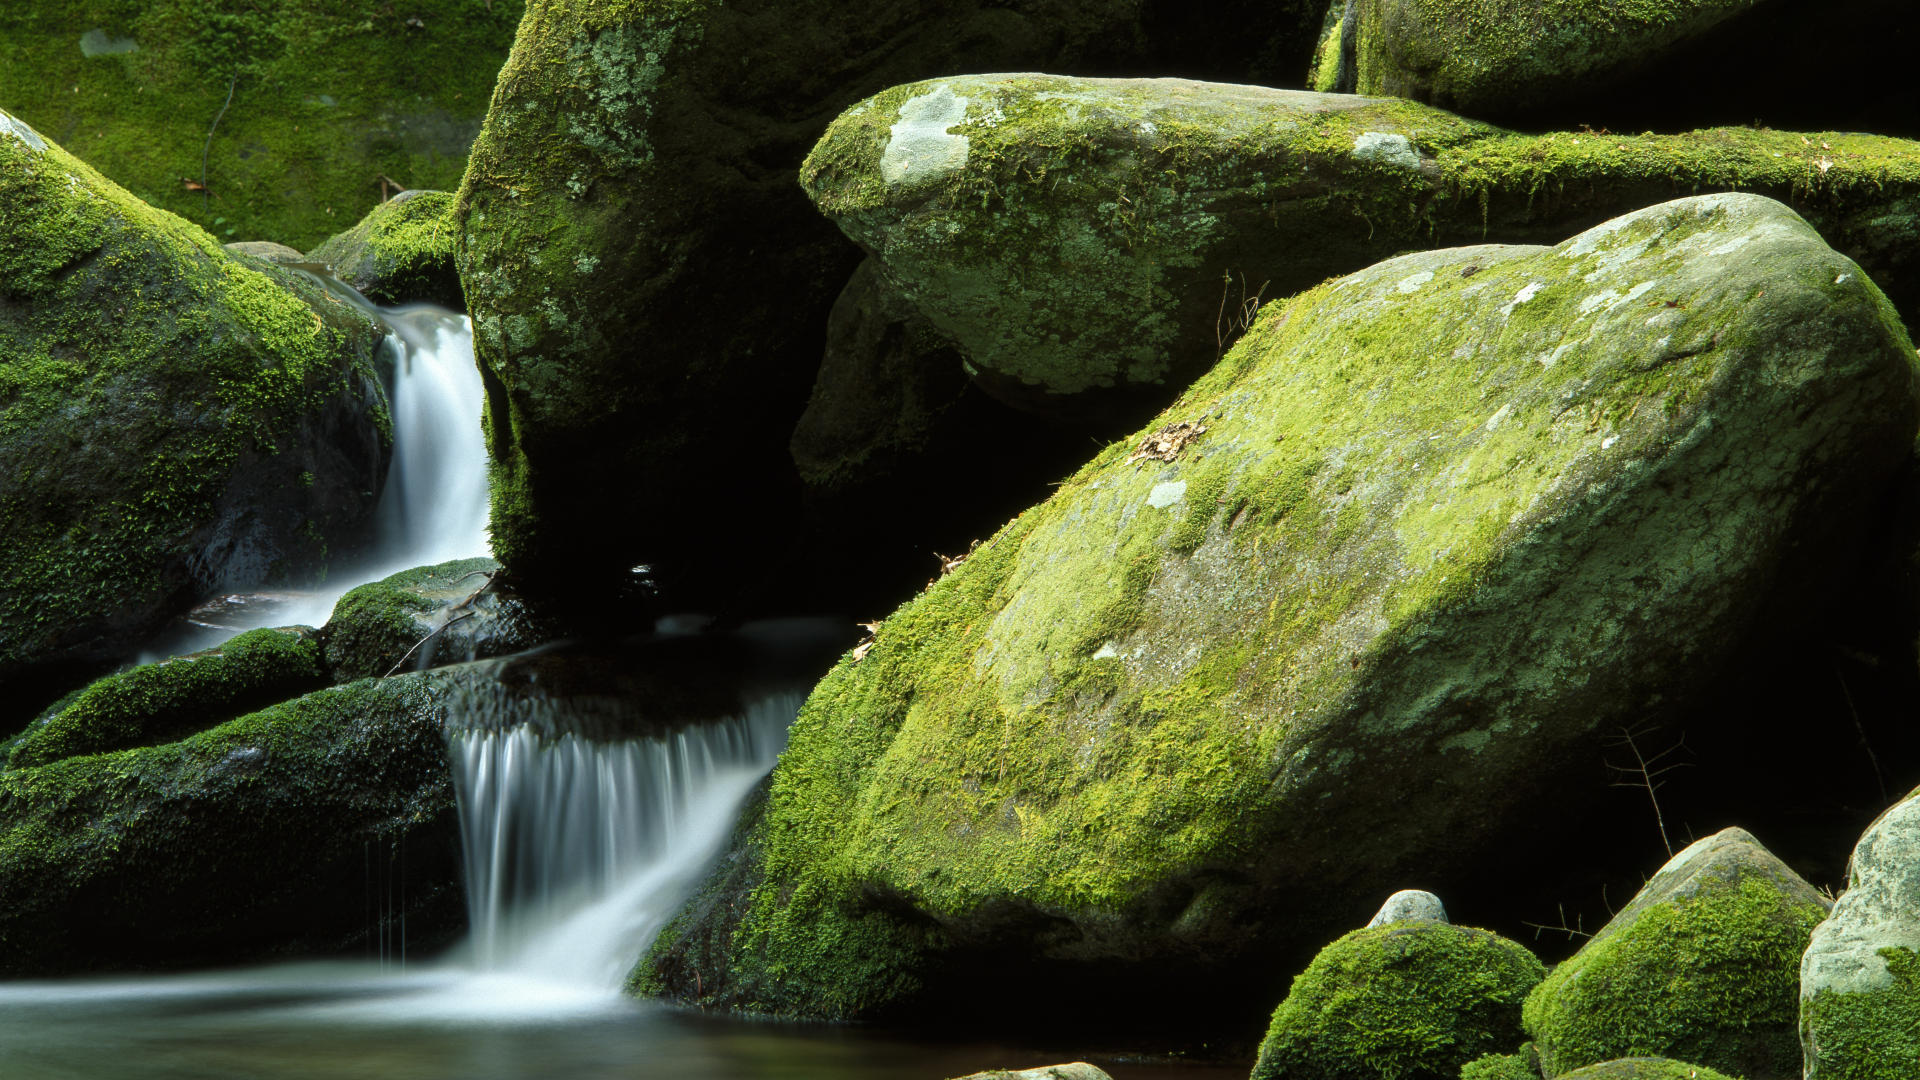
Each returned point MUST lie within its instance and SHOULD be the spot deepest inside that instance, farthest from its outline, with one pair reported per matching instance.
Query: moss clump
(326, 100)
(156, 703)
(401, 251)
(1866, 1035)
(1703, 966)
(173, 420)
(1524, 1065)
(1646, 1068)
(373, 627)
(1404, 1001)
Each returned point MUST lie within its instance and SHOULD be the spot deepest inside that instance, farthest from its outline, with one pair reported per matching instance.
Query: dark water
(335, 1022)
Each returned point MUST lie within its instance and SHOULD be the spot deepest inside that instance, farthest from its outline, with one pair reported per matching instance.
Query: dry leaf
(1166, 444)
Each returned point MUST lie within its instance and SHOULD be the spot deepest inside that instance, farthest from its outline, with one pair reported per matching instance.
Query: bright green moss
(1867, 1036)
(402, 251)
(1712, 979)
(1520, 1066)
(161, 702)
(1647, 1068)
(1406, 1001)
(327, 99)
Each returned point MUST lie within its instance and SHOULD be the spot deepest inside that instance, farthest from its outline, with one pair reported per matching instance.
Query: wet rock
(1701, 966)
(427, 617)
(1411, 1001)
(1409, 904)
(279, 254)
(174, 421)
(1428, 542)
(401, 252)
(1078, 1070)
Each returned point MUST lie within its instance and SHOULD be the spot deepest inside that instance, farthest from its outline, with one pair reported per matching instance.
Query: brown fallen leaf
(1166, 444)
(861, 650)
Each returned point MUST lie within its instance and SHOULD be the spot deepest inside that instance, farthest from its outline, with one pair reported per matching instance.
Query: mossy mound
(1860, 978)
(1426, 543)
(402, 251)
(1524, 1065)
(1404, 1001)
(430, 615)
(174, 420)
(1703, 966)
(1647, 1068)
(632, 244)
(1087, 242)
(269, 835)
(326, 100)
(156, 703)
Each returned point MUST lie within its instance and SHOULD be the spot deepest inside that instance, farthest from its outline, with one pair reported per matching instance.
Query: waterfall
(579, 850)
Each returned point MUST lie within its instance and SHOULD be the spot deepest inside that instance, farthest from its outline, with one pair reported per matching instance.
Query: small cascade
(434, 507)
(578, 850)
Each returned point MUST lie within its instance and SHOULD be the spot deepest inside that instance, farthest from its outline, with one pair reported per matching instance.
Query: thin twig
(1648, 771)
(1574, 931)
(206, 196)
(424, 640)
(1879, 777)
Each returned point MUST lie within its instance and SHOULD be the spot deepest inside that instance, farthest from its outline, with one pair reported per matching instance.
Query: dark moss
(156, 703)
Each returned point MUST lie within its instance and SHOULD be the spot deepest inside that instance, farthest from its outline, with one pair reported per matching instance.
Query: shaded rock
(279, 254)
(1860, 978)
(1439, 535)
(174, 421)
(1646, 1068)
(1078, 1070)
(156, 703)
(1701, 966)
(1409, 904)
(1090, 243)
(633, 245)
(260, 837)
(325, 101)
(427, 617)
(401, 252)
(1410, 1001)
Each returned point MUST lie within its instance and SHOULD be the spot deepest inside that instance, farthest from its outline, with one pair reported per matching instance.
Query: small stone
(1409, 904)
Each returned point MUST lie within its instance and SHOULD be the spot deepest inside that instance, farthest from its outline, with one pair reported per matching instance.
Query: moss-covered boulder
(1703, 966)
(1405, 1001)
(1082, 238)
(316, 825)
(428, 616)
(292, 113)
(173, 420)
(1647, 1068)
(156, 703)
(1524, 1065)
(632, 244)
(1433, 529)
(400, 252)
(1860, 978)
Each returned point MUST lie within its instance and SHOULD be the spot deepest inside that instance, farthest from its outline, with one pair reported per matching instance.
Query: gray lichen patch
(923, 150)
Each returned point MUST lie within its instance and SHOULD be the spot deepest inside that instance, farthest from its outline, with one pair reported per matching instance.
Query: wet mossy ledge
(1427, 542)
(326, 101)
(401, 252)
(1094, 243)
(174, 420)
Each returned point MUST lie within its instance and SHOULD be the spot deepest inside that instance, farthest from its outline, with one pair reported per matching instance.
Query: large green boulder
(1090, 242)
(427, 616)
(162, 702)
(1703, 966)
(401, 252)
(649, 285)
(174, 420)
(1860, 978)
(1402, 1001)
(316, 825)
(292, 112)
(1432, 529)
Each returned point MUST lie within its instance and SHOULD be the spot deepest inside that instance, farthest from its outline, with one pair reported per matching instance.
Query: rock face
(156, 703)
(1408, 1001)
(1701, 966)
(260, 837)
(1860, 979)
(402, 251)
(1646, 1068)
(1092, 241)
(633, 245)
(1409, 904)
(426, 616)
(1427, 529)
(173, 420)
(326, 100)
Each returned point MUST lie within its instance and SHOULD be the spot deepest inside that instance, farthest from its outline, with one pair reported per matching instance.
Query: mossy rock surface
(1524, 1065)
(174, 420)
(428, 616)
(1703, 965)
(268, 835)
(327, 98)
(1647, 1068)
(1428, 543)
(1088, 242)
(401, 252)
(1860, 978)
(633, 244)
(156, 703)
(1403, 1001)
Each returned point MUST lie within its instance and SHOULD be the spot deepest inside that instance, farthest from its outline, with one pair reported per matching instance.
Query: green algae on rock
(1703, 966)
(1646, 1068)
(402, 251)
(1079, 238)
(326, 100)
(253, 839)
(156, 703)
(1402, 1001)
(1439, 531)
(1860, 978)
(173, 419)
